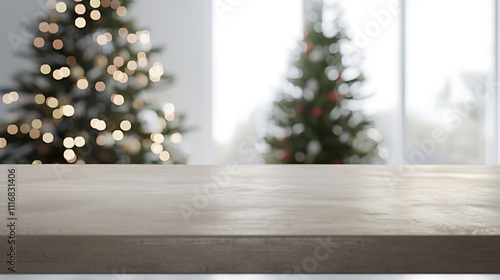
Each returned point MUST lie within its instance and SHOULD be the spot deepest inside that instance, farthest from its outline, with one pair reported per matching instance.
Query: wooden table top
(269, 201)
(258, 200)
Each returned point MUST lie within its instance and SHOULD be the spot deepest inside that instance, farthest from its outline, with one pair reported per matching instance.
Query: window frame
(399, 145)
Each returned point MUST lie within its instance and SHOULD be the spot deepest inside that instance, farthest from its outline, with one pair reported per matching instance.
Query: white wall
(181, 26)
(184, 28)
(15, 19)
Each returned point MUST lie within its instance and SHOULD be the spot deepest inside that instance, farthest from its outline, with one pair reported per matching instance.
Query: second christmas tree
(317, 116)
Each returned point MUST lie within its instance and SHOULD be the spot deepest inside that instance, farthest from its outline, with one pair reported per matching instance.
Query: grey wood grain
(255, 219)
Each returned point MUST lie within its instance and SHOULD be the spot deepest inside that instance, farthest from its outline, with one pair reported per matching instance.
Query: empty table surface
(254, 219)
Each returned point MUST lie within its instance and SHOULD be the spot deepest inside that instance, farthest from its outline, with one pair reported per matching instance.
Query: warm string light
(132, 65)
(142, 59)
(111, 69)
(45, 69)
(120, 76)
(118, 135)
(164, 156)
(3, 142)
(68, 110)
(12, 129)
(131, 38)
(79, 141)
(125, 125)
(53, 28)
(34, 134)
(105, 3)
(169, 108)
(143, 36)
(80, 22)
(169, 111)
(57, 114)
(61, 7)
(101, 140)
(10, 97)
(176, 138)
(82, 83)
(43, 27)
(156, 148)
(170, 117)
(52, 102)
(36, 124)
(118, 61)
(117, 99)
(132, 146)
(71, 61)
(62, 73)
(68, 142)
(121, 11)
(95, 15)
(95, 3)
(157, 138)
(65, 71)
(39, 42)
(25, 128)
(100, 86)
(97, 124)
(123, 32)
(115, 4)
(39, 99)
(51, 4)
(48, 138)
(104, 39)
(80, 9)
(156, 72)
(58, 44)
(70, 156)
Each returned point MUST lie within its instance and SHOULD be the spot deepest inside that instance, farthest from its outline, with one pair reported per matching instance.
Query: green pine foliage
(85, 100)
(317, 118)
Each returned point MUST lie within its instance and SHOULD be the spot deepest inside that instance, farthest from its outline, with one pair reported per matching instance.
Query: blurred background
(255, 81)
(282, 81)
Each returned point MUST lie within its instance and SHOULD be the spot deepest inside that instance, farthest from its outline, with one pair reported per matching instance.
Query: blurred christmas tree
(85, 102)
(316, 113)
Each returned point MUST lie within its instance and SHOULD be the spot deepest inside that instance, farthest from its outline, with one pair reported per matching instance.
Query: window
(375, 32)
(252, 44)
(450, 55)
(431, 68)
(445, 53)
